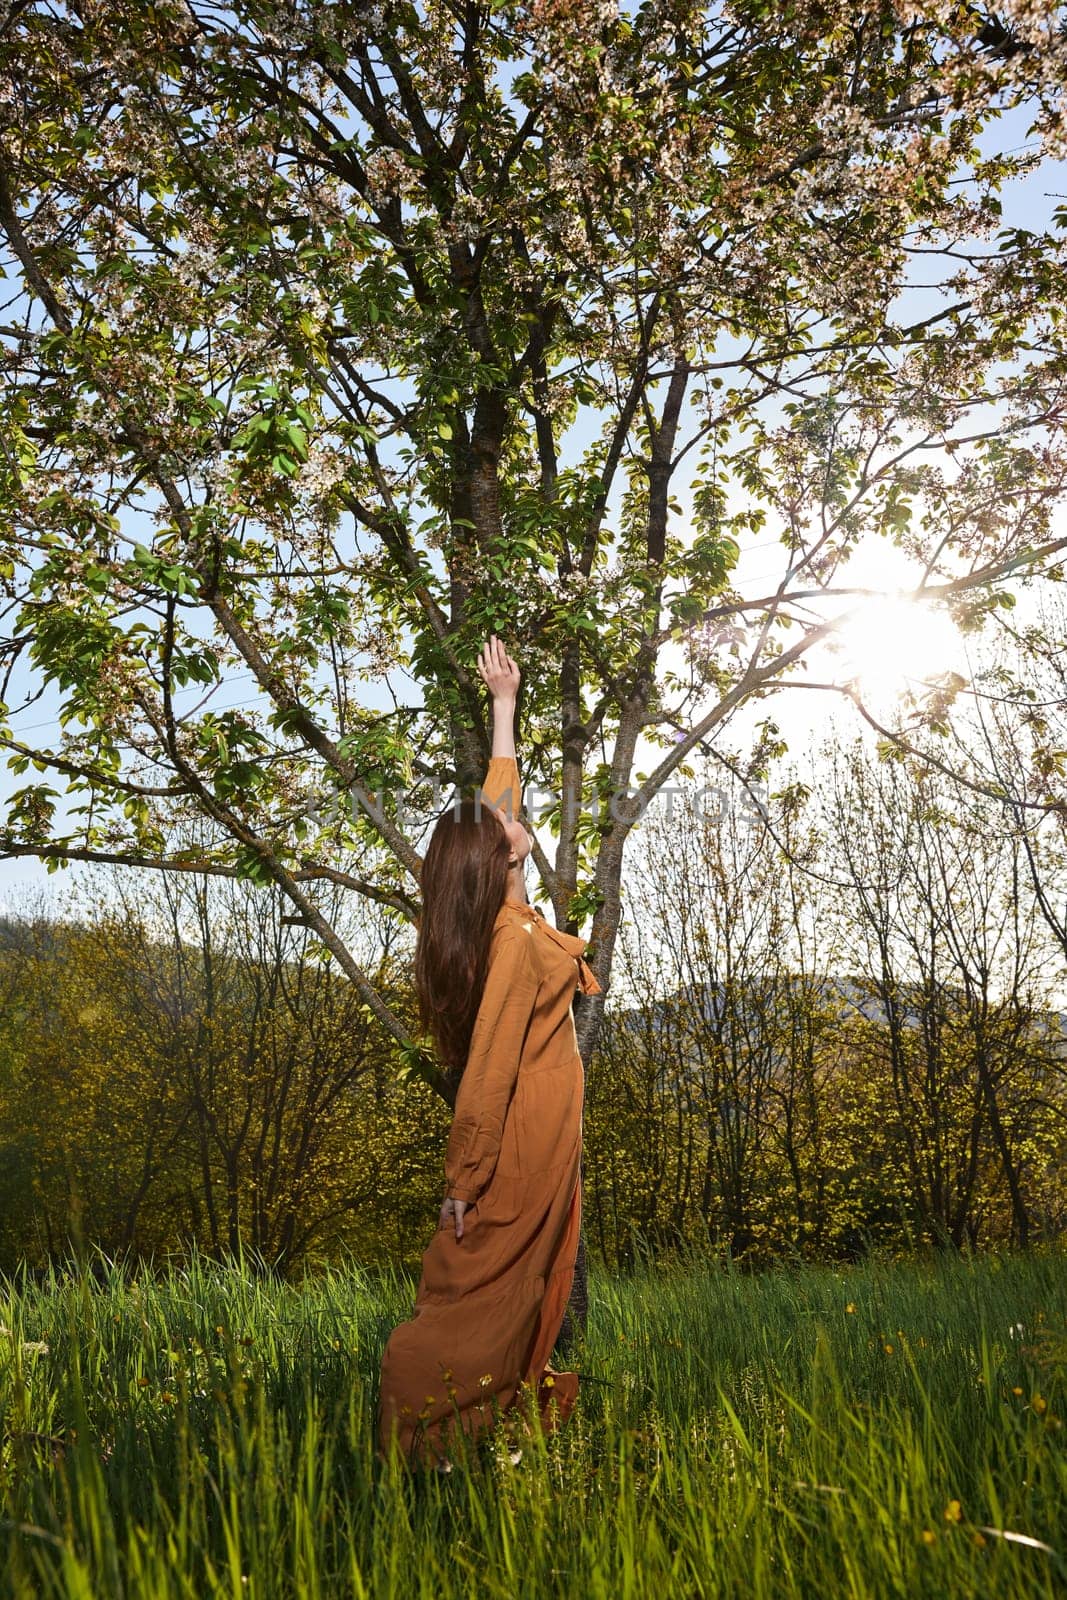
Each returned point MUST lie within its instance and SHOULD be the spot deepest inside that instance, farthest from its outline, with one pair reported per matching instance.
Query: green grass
(210, 1434)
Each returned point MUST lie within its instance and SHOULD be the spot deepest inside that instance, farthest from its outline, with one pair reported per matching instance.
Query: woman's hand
(452, 1211)
(499, 672)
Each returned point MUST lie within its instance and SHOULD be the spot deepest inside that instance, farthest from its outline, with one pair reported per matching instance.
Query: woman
(495, 984)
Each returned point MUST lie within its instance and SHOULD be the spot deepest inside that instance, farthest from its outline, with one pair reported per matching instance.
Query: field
(877, 1431)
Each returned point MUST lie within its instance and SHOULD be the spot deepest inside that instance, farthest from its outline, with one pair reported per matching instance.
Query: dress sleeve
(488, 1079)
(503, 785)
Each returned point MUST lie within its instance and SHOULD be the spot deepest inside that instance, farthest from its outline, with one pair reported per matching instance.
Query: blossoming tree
(340, 335)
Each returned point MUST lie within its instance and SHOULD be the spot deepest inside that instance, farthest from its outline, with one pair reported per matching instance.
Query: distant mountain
(853, 996)
(18, 934)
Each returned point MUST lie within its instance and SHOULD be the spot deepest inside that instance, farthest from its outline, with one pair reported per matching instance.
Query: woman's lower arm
(504, 727)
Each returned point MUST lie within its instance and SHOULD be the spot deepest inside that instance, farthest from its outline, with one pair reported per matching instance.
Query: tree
(343, 336)
(832, 1031)
(1017, 735)
(180, 1064)
(269, 1061)
(953, 949)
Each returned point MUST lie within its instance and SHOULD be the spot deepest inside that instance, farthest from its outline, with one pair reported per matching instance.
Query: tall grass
(877, 1431)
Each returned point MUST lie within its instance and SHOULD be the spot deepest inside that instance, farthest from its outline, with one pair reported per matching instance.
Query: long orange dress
(489, 1307)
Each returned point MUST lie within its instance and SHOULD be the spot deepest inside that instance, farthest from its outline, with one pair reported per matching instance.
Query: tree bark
(576, 1316)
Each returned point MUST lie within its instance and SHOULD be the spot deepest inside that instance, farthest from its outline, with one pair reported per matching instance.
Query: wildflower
(850, 1309)
(979, 1539)
(142, 1383)
(34, 1347)
(889, 1349)
(953, 1511)
(550, 1382)
(486, 1378)
(1039, 1404)
(1016, 1390)
(929, 1536)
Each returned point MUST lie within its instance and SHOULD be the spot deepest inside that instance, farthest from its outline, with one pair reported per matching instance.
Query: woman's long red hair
(463, 881)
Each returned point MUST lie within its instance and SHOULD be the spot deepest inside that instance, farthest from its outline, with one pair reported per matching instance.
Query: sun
(892, 647)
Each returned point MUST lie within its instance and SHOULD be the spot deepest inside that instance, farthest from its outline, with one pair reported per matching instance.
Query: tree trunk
(576, 1316)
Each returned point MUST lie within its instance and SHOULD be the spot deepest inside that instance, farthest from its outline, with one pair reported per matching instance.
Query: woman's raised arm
(500, 674)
